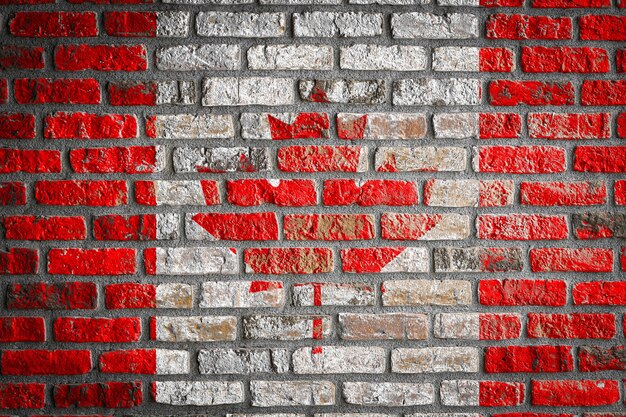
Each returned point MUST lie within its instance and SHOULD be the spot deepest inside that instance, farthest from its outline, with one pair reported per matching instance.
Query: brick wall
(313, 207)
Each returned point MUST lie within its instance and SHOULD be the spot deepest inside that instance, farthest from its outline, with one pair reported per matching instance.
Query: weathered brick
(193, 328)
(290, 57)
(477, 326)
(574, 393)
(521, 27)
(571, 326)
(44, 228)
(89, 262)
(22, 329)
(145, 361)
(569, 126)
(328, 227)
(388, 394)
(343, 91)
(388, 326)
(53, 24)
(287, 327)
(478, 259)
(175, 193)
(379, 57)
(55, 296)
(288, 260)
(244, 25)
(600, 358)
(600, 293)
(198, 57)
(198, 393)
(190, 126)
(46, 362)
(243, 361)
(333, 294)
(434, 359)
(381, 126)
(217, 160)
(283, 193)
(426, 292)
(100, 57)
(231, 226)
(420, 159)
(575, 193)
(571, 260)
(291, 393)
(90, 126)
(446, 226)
(468, 193)
(521, 227)
(242, 294)
(56, 91)
(99, 394)
(134, 295)
(599, 225)
(385, 260)
(431, 26)
(483, 393)
(532, 359)
(191, 261)
(369, 193)
(329, 24)
(97, 330)
(436, 92)
(231, 91)
(136, 227)
(339, 360)
(473, 59)
(520, 292)
(519, 159)
(281, 126)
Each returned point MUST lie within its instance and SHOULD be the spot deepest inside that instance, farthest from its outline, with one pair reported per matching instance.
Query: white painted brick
(243, 361)
(460, 393)
(242, 294)
(427, 292)
(354, 415)
(435, 359)
(295, 327)
(198, 57)
(178, 193)
(328, 24)
(448, 226)
(299, 2)
(380, 57)
(452, 193)
(243, 25)
(174, 295)
(457, 326)
(167, 226)
(383, 326)
(172, 362)
(198, 393)
(459, 3)
(431, 26)
(384, 126)
(344, 91)
(339, 360)
(173, 24)
(231, 91)
(456, 125)
(192, 126)
(219, 2)
(221, 159)
(257, 125)
(426, 158)
(291, 393)
(176, 92)
(390, 2)
(196, 261)
(333, 294)
(436, 92)
(194, 328)
(456, 58)
(290, 57)
(388, 394)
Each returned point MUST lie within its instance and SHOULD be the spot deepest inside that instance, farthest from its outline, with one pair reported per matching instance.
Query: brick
(12, 194)
(599, 225)
(100, 394)
(426, 292)
(21, 57)
(219, 160)
(620, 60)
(385, 260)
(4, 91)
(136, 227)
(90, 126)
(387, 326)
(243, 361)
(100, 57)
(468, 193)
(532, 93)
(434, 360)
(254, 192)
(448, 226)
(18, 261)
(46, 362)
(607, 159)
(175, 193)
(287, 327)
(329, 24)
(288, 260)
(145, 361)
(431, 26)
(521, 227)
(499, 125)
(245, 91)
(343, 91)
(244, 25)
(602, 28)
(420, 159)
(369, 193)
(290, 57)
(56, 91)
(569, 4)
(99, 330)
(44, 228)
(603, 93)
(19, 395)
(131, 93)
(436, 92)
(339, 360)
(519, 159)
(133, 295)
(528, 359)
(281, 126)
(198, 57)
(127, 160)
(571, 326)
(483, 393)
(328, 227)
(30, 161)
(381, 126)
(147, 24)
(571, 260)
(231, 226)
(178, 92)
(17, 126)
(89, 262)
(310, 294)
(367, 57)
(620, 192)
(556, 193)
(522, 292)
(477, 259)
(574, 393)
(242, 294)
(456, 125)
(599, 358)
(193, 329)
(599, 293)
(477, 326)
(190, 126)
(55, 296)
(569, 126)
(522, 27)
(21, 329)
(322, 159)
(53, 24)
(198, 393)
(564, 59)
(191, 261)
(388, 394)
(291, 393)
(473, 59)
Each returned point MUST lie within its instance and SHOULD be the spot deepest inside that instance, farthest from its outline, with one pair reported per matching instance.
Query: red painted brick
(132, 93)
(499, 125)
(146, 194)
(531, 359)
(125, 228)
(44, 228)
(101, 330)
(17, 126)
(18, 261)
(599, 225)
(137, 361)
(495, 193)
(75, 261)
(254, 192)
(4, 91)
(131, 24)
(499, 326)
(61, 91)
(599, 358)
(101, 394)
(55, 296)
(500, 394)
(569, 126)
(574, 393)
(581, 193)
(22, 329)
(521, 227)
(130, 295)
(531, 93)
(110, 1)
(12, 395)
(31, 161)
(368, 260)
(400, 226)
(46, 362)
(101, 57)
(532, 415)
(54, 24)
(610, 159)
(603, 93)
(328, 227)
(520, 27)
(521, 159)
(370, 193)
(571, 326)
(602, 28)
(621, 125)
(238, 226)
(496, 60)
(570, 4)
(320, 158)
(288, 260)
(564, 59)
(571, 260)
(126, 160)
(81, 193)
(600, 293)
(522, 292)
(21, 57)
(90, 126)
(12, 194)
(304, 126)
(620, 192)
